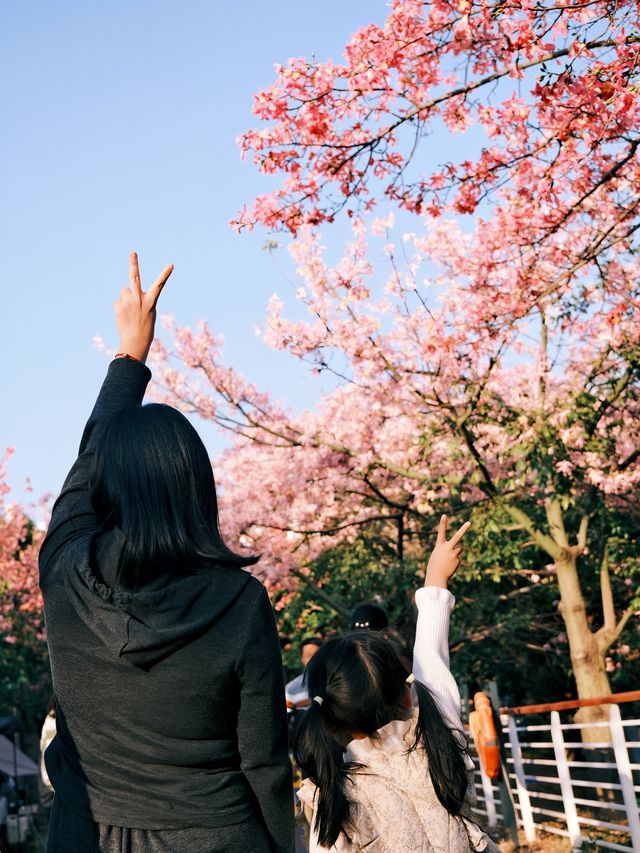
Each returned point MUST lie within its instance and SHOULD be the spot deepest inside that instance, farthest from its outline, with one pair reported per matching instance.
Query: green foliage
(25, 679)
(506, 625)
(367, 571)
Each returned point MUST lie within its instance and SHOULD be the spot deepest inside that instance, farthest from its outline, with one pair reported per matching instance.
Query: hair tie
(318, 699)
(410, 678)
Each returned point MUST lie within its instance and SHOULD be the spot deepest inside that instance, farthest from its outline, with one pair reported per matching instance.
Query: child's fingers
(442, 529)
(457, 536)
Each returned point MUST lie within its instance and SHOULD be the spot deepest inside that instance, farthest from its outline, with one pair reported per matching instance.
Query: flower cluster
(550, 88)
(455, 379)
(20, 600)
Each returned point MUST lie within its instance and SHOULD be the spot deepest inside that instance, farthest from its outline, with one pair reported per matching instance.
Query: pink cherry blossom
(488, 355)
(19, 543)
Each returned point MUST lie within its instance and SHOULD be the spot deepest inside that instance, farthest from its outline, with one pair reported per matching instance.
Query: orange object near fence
(484, 735)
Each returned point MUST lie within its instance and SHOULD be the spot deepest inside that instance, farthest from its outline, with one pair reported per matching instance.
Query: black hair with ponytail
(362, 687)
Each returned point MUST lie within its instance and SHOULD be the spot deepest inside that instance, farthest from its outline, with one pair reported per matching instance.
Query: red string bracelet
(126, 355)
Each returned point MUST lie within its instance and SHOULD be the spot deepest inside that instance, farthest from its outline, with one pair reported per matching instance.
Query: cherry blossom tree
(25, 683)
(454, 393)
(550, 87)
(490, 356)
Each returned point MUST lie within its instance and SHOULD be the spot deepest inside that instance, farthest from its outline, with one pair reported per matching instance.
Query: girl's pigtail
(321, 758)
(444, 753)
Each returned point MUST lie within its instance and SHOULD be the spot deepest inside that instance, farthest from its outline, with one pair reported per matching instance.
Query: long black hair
(362, 685)
(151, 478)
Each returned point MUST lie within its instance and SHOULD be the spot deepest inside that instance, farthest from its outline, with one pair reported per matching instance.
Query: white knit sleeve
(431, 651)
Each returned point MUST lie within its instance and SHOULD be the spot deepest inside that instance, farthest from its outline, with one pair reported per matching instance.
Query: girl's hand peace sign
(135, 311)
(445, 557)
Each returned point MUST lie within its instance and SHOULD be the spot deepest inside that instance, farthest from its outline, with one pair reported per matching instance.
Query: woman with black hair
(383, 750)
(171, 722)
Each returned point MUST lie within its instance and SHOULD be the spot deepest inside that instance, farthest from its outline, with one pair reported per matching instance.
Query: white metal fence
(587, 792)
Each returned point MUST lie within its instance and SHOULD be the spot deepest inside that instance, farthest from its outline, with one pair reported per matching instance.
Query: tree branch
(631, 458)
(331, 531)
(606, 594)
(539, 538)
(371, 143)
(627, 614)
(556, 523)
(468, 437)
(582, 534)
(611, 630)
(606, 639)
(342, 611)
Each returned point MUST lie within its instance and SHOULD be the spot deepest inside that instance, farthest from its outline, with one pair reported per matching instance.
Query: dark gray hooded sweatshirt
(170, 699)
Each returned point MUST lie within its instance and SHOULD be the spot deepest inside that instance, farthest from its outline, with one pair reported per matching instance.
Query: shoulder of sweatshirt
(255, 588)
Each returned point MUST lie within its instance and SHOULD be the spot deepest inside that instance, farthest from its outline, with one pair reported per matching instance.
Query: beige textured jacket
(396, 808)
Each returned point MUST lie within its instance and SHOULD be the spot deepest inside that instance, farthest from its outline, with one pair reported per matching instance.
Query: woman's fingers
(156, 288)
(134, 275)
(457, 536)
(135, 311)
(135, 285)
(442, 529)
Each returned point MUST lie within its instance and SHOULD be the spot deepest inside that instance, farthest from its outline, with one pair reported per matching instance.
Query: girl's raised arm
(435, 603)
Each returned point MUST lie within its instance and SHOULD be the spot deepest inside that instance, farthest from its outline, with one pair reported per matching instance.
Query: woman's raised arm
(125, 384)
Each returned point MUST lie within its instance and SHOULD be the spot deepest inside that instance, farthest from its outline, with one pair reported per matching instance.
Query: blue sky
(119, 128)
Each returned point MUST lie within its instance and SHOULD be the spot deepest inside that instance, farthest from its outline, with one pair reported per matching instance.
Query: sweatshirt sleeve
(262, 726)
(72, 516)
(431, 651)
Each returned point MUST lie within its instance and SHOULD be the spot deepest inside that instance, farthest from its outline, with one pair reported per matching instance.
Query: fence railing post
(521, 785)
(564, 776)
(489, 799)
(626, 776)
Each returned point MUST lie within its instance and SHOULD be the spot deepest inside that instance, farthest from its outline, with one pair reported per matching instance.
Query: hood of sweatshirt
(144, 626)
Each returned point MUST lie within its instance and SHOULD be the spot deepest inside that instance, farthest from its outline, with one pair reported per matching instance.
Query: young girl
(384, 754)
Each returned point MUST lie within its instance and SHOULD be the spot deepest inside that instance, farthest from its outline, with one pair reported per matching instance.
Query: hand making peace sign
(445, 557)
(135, 311)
